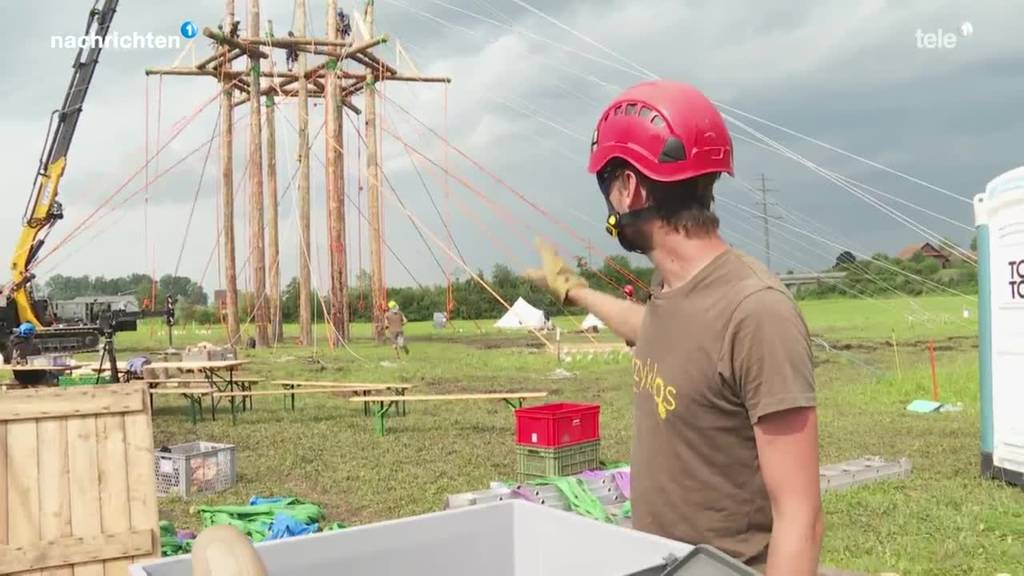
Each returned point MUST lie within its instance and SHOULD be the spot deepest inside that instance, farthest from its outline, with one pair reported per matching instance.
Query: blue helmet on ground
(27, 329)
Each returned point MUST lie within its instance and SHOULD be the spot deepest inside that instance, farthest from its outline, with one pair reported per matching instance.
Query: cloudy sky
(525, 94)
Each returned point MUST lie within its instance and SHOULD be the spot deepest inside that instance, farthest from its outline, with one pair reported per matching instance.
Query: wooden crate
(77, 493)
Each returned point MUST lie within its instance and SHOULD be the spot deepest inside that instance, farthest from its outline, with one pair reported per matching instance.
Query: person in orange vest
(725, 438)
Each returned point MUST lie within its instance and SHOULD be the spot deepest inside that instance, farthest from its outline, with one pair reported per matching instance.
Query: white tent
(521, 315)
(592, 322)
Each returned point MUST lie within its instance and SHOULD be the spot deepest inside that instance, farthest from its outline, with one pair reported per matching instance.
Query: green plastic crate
(537, 463)
(84, 380)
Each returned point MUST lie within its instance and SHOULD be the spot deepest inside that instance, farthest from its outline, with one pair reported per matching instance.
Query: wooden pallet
(867, 470)
(77, 492)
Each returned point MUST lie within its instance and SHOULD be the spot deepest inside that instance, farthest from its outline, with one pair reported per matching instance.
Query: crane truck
(82, 325)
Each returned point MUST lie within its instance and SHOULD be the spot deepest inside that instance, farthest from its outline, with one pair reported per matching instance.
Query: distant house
(926, 249)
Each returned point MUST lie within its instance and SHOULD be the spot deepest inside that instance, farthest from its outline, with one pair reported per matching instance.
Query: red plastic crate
(557, 425)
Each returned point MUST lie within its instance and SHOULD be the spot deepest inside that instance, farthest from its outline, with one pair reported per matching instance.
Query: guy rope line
(511, 220)
(195, 198)
(489, 233)
(123, 202)
(854, 265)
(572, 232)
(841, 247)
(85, 222)
(652, 75)
(738, 135)
(864, 186)
(451, 254)
(774, 251)
(833, 177)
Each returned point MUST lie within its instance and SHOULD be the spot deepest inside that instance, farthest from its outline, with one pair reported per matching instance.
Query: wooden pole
(282, 41)
(182, 71)
(227, 190)
(222, 38)
(335, 189)
(273, 244)
(896, 351)
(317, 70)
(373, 194)
(305, 256)
(257, 249)
(935, 378)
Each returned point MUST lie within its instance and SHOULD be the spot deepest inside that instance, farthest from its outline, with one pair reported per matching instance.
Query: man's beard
(635, 239)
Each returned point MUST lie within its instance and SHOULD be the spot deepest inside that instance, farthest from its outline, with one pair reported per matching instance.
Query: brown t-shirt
(713, 356)
(395, 322)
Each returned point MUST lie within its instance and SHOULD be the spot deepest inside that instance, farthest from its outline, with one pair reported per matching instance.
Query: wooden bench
(193, 393)
(186, 387)
(359, 389)
(513, 399)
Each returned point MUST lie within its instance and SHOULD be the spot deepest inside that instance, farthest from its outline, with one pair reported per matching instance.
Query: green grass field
(944, 520)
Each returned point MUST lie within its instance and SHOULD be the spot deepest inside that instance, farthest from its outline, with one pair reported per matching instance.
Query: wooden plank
(3, 483)
(289, 392)
(54, 485)
(113, 467)
(344, 385)
(484, 396)
(50, 403)
(85, 489)
(44, 368)
(74, 550)
(199, 365)
(22, 485)
(138, 430)
(183, 390)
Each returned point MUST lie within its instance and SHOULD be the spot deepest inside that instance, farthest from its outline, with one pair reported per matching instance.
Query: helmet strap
(617, 221)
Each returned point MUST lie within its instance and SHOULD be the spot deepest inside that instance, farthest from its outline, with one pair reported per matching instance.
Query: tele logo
(942, 40)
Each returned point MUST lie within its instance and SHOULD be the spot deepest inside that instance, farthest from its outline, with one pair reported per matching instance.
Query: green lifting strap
(580, 499)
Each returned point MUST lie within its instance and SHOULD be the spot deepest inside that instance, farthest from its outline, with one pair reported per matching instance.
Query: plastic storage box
(557, 425)
(195, 467)
(511, 538)
(537, 463)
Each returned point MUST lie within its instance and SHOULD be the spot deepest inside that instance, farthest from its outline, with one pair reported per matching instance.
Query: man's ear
(636, 195)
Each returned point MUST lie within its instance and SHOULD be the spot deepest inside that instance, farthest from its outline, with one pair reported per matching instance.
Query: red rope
(89, 218)
(520, 195)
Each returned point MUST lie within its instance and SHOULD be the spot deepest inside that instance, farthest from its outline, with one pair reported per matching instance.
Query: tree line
(879, 276)
(61, 287)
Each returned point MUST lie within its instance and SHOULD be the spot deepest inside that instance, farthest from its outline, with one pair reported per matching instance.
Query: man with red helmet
(725, 446)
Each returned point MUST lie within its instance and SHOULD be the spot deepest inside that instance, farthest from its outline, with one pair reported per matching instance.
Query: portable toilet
(999, 217)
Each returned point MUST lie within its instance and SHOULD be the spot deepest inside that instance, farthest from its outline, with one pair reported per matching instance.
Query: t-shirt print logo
(645, 378)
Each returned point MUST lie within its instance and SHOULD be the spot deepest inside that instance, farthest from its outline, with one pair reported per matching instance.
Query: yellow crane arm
(43, 209)
(43, 213)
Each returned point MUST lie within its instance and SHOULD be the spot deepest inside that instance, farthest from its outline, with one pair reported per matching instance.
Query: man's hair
(686, 205)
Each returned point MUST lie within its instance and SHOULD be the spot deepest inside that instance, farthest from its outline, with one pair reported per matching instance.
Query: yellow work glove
(555, 276)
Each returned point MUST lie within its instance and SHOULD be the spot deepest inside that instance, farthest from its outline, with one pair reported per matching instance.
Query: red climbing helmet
(668, 130)
(628, 290)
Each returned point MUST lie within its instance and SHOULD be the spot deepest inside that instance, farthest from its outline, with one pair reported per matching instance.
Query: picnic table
(219, 374)
(386, 403)
(15, 368)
